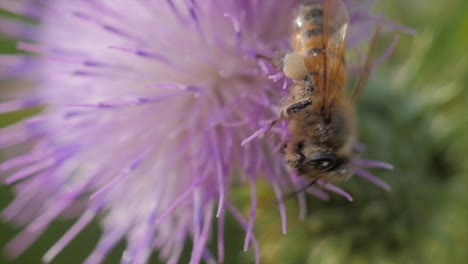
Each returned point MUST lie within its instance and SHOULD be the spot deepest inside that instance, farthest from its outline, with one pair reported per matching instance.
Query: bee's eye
(326, 161)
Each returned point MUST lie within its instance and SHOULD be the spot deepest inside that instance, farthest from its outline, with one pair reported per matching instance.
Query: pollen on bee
(294, 66)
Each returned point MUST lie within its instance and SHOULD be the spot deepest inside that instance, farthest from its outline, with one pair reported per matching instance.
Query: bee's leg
(296, 107)
(273, 123)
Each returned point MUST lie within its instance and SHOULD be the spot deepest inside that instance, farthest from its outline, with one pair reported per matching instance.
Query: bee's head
(313, 162)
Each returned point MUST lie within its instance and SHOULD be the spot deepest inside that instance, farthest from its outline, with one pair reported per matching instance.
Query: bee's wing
(367, 65)
(335, 28)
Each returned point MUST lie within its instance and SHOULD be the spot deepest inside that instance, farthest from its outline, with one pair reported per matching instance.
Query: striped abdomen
(309, 41)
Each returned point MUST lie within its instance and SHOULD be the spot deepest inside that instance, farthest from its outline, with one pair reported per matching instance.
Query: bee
(320, 113)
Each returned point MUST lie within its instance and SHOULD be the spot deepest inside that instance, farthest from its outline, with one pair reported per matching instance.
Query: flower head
(146, 105)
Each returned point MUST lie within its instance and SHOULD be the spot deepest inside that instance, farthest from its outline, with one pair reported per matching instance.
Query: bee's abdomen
(308, 27)
(309, 13)
(308, 36)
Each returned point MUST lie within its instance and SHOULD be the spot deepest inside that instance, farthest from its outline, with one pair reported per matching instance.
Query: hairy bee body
(320, 113)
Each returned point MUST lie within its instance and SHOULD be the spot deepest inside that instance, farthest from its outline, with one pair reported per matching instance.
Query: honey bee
(320, 113)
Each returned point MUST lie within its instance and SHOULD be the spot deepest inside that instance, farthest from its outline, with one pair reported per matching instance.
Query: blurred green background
(413, 114)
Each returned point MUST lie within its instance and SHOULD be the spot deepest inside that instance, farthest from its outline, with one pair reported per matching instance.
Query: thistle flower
(146, 105)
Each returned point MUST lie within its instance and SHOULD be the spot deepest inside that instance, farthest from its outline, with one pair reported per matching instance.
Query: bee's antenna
(367, 65)
(292, 194)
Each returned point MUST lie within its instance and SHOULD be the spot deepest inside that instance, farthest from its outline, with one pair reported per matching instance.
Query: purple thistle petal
(221, 237)
(82, 222)
(199, 245)
(253, 208)
(259, 133)
(197, 220)
(300, 195)
(264, 66)
(14, 29)
(23, 160)
(26, 192)
(108, 240)
(131, 167)
(11, 106)
(281, 206)
(368, 176)
(45, 164)
(25, 9)
(374, 164)
(219, 173)
(359, 147)
(21, 242)
(127, 102)
(333, 188)
(235, 24)
(318, 193)
(384, 56)
(277, 76)
(243, 223)
(13, 67)
(179, 243)
(13, 135)
(208, 257)
(144, 54)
